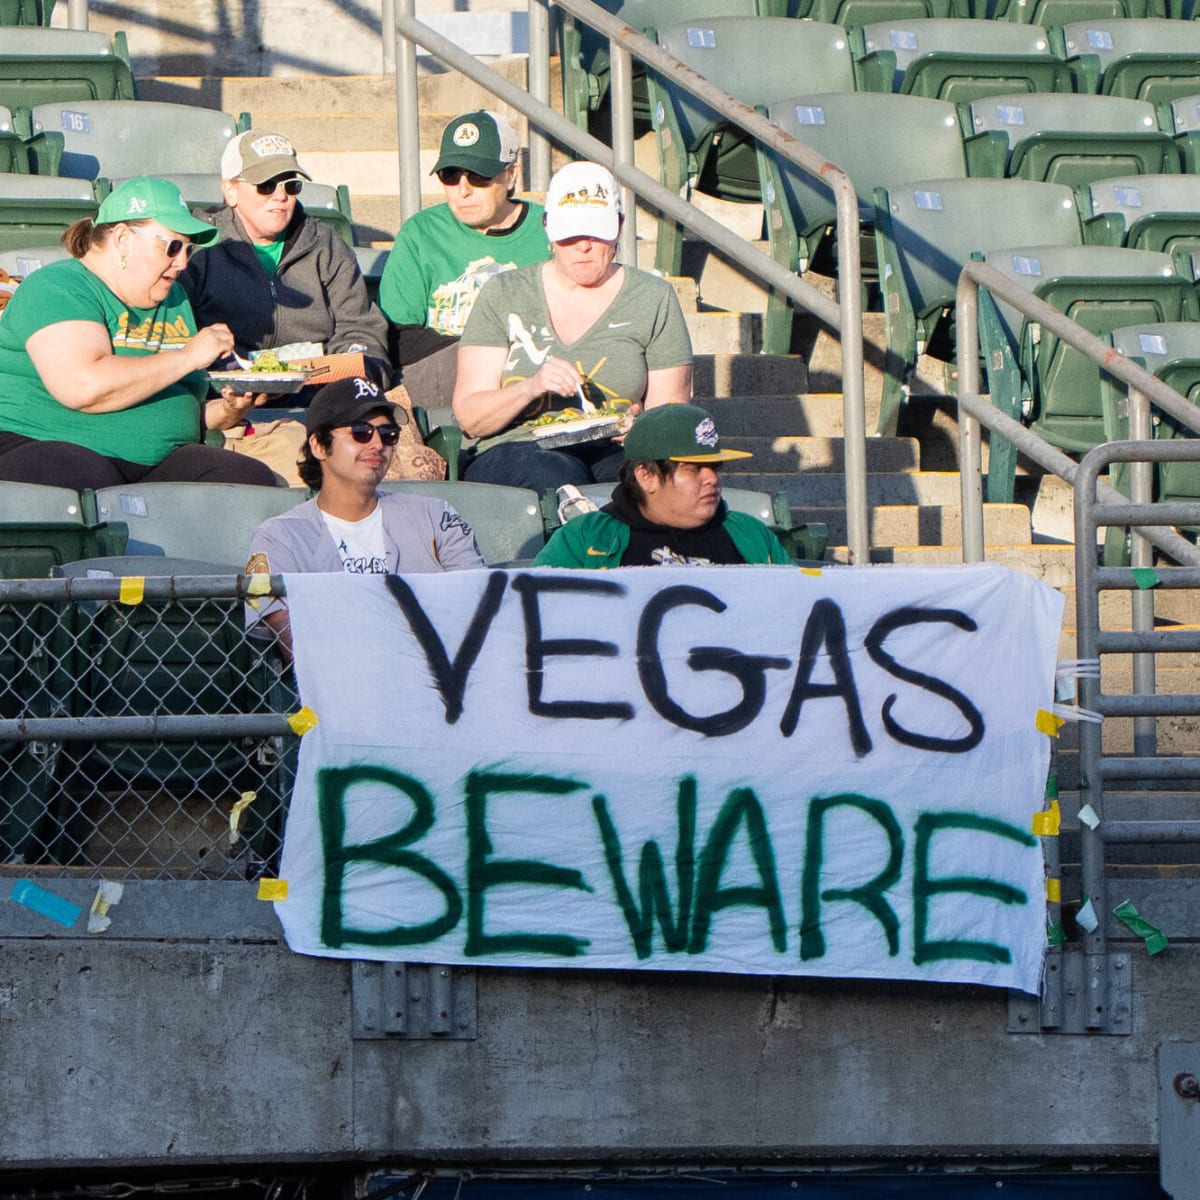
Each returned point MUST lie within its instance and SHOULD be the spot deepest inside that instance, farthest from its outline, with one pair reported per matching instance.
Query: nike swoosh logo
(618, 324)
(593, 550)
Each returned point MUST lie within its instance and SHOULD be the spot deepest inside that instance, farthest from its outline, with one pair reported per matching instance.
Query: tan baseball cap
(256, 156)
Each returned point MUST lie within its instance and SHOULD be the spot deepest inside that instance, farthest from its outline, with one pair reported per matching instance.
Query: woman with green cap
(102, 369)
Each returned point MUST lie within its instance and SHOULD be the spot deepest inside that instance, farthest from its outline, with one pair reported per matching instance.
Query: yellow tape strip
(1048, 723)
(133, 589)
(1046, 824)
(302, 721)
(811, 571)
(235, 814)
(258, 585)
(1054, 890)
(272, 889)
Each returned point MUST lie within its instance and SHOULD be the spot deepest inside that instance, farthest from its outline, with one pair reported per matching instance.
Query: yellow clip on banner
(1045, 824)
(272, 889)
(1054, 890)
(811, 571)
(257, 586)
(133, 589)
(1048, 723)
(302, 721)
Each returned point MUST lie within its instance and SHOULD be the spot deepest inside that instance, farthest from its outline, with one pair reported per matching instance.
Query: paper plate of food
(264, 373)
(570, 427)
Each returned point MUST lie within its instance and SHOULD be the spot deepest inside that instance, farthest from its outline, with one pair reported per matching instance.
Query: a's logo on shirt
(466, 135)
(706, 433)
(451, 520)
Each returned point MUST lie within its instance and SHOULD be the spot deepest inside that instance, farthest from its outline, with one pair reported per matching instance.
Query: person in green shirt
(580, 332)
(443, 255)
(666, 509)
(102, 369)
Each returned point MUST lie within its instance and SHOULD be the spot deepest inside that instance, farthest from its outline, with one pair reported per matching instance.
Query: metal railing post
(970, 453)
(387, 26)
(77, 14)
(408, 116)
(1141, 554)
(539, 89)
(621, 86)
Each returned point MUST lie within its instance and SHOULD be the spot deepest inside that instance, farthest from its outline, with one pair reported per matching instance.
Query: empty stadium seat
(507, 520)
(865, 12)
(958, 59)
(27, 259)
(1075, 139)
(26, 12)
(1152, 59)
(878, 140)
(1035, 377)
(757, 61)
(1144, 212)
(122, 138)
(1052, 13)
(36, 209)
(41, 65)
(42, 527)
(1183, 117)
(14, 152)
(926, 232)
(210, 522)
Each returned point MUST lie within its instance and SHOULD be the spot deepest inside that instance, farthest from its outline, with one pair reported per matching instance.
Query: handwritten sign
(748, 770)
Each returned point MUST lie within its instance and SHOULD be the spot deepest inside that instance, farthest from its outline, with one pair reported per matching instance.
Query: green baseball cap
(480, 141)
(677, 433)
(145, 198)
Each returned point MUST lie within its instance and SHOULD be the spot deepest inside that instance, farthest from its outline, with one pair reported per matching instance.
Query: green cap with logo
(677, 433)
(480, 141)
(145, 198)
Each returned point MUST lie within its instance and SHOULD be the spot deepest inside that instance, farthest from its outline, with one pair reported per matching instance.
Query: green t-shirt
(437, 266)
(68, 291)
(269, 255)
(642, 330)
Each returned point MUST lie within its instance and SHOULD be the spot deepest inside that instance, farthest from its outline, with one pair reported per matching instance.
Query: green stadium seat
(1144, 212)
(879, 141)
(757, 61)
(1035, 377)
(36, 209)
(14, 151)
(585, 57)
(27, 259)
(1154, 59)
(507, 520)
(805, 542)
(926, 232)
(209, 522)
(1076, 139)
(1051, 14)
(1182, 117)
(117, 139)
(26, 12)
(959, 59)
(39, 65)
(42, 527)
(866, 12)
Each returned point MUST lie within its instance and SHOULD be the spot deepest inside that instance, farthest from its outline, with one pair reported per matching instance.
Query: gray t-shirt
(642, 330)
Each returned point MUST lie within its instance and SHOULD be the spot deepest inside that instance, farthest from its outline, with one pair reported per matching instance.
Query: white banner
(742, 769)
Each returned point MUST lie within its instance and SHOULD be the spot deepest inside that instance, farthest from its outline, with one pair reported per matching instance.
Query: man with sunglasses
(445, 254)
(281, 276)
(350, 525)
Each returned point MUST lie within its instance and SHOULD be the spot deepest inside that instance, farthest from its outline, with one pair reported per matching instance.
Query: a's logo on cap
(466, 135)
(271, 144)
(137, 204)
(364, 387)
(706, 434)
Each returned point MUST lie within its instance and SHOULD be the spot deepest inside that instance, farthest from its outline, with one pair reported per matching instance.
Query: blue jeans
(527, 465)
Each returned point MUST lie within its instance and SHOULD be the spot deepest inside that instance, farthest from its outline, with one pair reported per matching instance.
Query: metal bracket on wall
(1179, 1119)
(1066, 1004)
(412, 1000)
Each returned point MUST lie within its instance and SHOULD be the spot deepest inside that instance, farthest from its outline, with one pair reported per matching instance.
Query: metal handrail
(843, 316)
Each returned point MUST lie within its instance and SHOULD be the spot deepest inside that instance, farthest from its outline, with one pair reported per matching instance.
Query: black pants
(63, 464)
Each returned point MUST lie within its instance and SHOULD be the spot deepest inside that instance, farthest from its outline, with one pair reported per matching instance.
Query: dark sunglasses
(293, 187)
(451, 175)
(363, 431)
(173, 246)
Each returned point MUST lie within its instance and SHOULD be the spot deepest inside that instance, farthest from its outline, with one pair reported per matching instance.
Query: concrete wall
(222, 1045)
(289, 37)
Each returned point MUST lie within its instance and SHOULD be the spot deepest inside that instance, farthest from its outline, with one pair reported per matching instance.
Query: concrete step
(750, 415)
(1053, 565)
(788, 453)
(1180, 607)
(755, 376)
(829, 491)
(911, 525)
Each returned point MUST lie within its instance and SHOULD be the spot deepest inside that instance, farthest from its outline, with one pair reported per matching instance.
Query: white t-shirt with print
(360, 543)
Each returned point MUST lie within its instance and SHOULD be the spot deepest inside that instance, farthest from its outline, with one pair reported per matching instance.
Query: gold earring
(121, 264)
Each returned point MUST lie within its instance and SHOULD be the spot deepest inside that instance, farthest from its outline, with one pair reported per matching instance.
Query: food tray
(272, 382)
(572, 433)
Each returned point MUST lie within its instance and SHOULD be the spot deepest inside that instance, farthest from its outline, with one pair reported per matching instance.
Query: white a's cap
(583, 200)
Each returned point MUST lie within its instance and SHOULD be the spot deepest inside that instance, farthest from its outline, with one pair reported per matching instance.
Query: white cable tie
(1069, 712)
(1077, 668)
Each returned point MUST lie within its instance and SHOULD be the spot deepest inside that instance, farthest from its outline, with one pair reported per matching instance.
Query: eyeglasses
(451, 175)
(293, 187)
(173, 246)
(363, 431)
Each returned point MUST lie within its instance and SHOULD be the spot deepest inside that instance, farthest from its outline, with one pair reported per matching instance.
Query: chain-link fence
(143, 734)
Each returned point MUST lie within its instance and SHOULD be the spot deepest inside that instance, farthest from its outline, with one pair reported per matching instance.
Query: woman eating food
(580, 332)
(102, 369)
